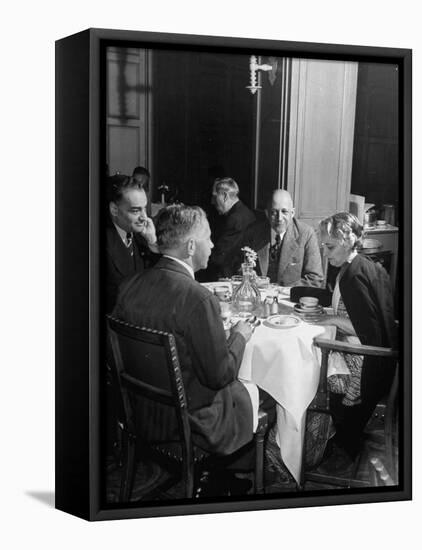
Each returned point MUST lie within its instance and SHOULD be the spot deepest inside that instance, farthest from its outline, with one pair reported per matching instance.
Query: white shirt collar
(122, 233)
(352, 256)
(181, 262)
(273, 234)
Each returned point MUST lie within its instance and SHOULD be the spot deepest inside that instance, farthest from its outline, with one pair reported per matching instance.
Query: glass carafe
(247, 298)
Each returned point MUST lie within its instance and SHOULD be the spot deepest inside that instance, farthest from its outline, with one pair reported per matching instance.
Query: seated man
(288, 251)
(130, 234)
(167, 298)
(234, 218)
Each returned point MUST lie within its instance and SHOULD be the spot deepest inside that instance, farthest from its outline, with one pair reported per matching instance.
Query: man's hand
(148, 232)
(243, 328)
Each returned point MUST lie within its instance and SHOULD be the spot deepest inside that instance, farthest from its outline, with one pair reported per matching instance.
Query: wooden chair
(378, 473)
(153, 408)
(385, 409)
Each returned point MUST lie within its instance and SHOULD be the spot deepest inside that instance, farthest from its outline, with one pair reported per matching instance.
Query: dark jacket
(167, 298)
(366, 293)
(120, 264)
(226, 255)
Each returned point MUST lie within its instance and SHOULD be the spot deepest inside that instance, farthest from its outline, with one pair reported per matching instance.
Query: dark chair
(152, 413)
(385, 410)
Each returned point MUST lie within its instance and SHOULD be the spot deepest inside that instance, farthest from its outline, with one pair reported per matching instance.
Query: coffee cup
(308, 301)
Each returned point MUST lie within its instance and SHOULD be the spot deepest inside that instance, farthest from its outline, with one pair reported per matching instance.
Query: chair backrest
(378, 473)
(147, 373)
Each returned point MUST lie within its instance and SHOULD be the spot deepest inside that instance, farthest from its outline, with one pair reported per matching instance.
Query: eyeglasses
(283, 211)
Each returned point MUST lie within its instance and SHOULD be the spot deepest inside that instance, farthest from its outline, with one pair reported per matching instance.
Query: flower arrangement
(250, 255)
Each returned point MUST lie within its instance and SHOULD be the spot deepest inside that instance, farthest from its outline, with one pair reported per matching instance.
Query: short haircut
(141, 171)
(117, 185)
(339, 226)
(177, 223)
(228, 185)
(271, 199)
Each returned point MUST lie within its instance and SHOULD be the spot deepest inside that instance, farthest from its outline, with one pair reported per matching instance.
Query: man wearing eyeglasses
(288, 251)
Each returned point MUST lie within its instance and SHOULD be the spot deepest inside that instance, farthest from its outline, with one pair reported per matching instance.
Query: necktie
(274, 258)
(129, 243)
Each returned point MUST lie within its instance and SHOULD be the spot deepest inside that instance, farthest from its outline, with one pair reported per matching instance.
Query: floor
(277, 477)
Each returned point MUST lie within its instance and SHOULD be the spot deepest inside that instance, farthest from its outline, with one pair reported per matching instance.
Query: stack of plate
(309, 313)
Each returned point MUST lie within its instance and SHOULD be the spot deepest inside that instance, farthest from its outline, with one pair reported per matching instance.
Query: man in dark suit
(287, 249)
(130, 234)
(234, 218)
(167, 298)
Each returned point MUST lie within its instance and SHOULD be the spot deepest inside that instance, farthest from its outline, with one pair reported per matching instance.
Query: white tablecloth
(285, 364)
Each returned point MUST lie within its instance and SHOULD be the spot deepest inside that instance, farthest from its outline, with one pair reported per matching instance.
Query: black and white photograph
(209, 320)
(252, 274)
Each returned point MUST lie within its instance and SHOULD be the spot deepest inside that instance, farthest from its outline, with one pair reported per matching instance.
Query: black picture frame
(79, 156)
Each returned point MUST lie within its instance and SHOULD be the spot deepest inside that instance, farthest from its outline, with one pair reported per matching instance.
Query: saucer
(311, 310)
(281, 321)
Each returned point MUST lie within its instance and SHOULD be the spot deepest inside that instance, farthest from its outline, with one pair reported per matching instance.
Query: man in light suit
(287, 249)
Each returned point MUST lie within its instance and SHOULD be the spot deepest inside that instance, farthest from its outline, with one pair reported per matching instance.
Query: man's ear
(225, 196)
(190, 247)
(351, 239)
(113, 209)
(293, 212)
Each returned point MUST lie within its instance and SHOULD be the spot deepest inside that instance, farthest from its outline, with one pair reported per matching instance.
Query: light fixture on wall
(254, 67)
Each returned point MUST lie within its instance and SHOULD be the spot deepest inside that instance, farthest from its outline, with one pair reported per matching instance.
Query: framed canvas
(328, 124)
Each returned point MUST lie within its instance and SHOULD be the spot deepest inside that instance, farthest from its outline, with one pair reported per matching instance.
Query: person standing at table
(288, 251)
(130, 234)
(234, 218)
(168, 298)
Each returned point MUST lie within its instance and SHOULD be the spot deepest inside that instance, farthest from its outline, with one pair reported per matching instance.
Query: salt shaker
(274, 306)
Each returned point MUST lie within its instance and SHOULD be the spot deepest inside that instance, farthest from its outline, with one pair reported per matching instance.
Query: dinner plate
(281, 321)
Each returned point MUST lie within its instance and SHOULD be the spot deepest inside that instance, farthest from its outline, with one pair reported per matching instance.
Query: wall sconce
(254, 67)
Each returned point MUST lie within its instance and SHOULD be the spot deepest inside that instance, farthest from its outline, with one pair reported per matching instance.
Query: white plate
(282, 321)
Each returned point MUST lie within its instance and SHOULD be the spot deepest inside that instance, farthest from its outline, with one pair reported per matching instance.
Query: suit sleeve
(216, 360)
(370, 307)
(312, 274)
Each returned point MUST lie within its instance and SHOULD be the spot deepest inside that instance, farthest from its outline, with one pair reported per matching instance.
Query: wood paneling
(323, 96)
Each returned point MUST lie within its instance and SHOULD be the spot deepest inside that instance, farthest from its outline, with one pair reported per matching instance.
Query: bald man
(287, 249)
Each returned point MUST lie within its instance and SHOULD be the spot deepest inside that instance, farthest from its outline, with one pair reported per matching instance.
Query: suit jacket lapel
(288, 248)
(119, 255)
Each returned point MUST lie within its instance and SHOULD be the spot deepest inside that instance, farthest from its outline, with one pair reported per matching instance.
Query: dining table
(284, 362)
